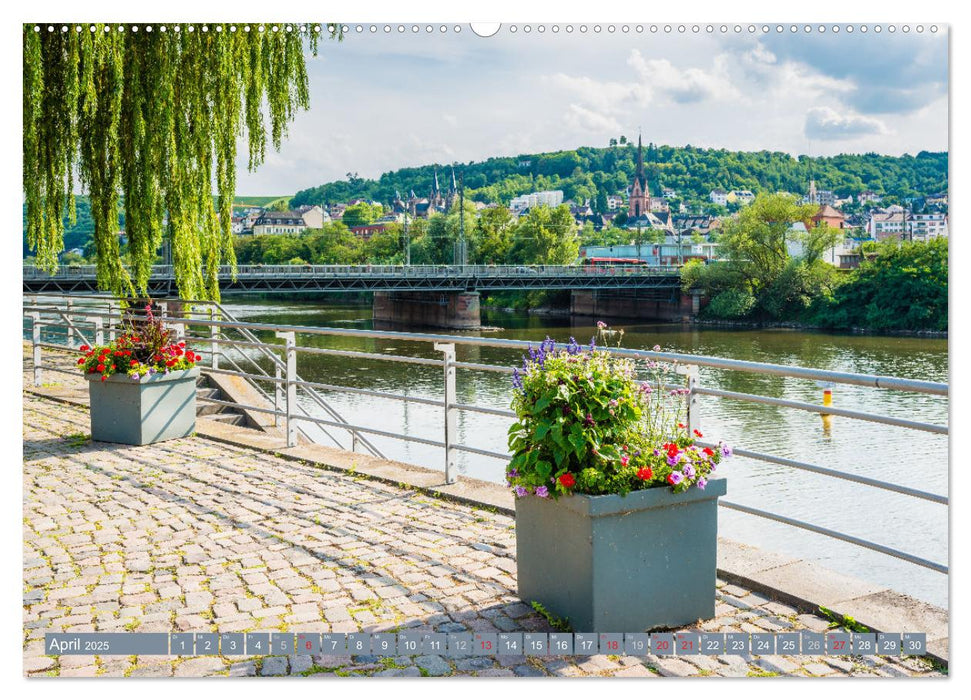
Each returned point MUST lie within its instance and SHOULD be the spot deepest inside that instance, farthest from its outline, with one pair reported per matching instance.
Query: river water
(898, 455)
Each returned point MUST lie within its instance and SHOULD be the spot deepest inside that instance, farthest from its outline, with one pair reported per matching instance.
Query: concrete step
(207, 393)
(225, 417)
(209, 409)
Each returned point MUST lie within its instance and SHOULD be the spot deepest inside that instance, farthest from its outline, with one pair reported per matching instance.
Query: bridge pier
(679, 307)
(455, 310)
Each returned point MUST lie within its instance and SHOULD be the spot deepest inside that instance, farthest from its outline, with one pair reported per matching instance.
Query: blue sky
(384, 101)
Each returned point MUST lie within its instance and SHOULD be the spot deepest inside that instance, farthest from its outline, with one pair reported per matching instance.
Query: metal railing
(285, 403)
(480, 271)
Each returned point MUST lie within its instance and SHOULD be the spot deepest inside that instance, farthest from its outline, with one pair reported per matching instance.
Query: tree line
(592, 174)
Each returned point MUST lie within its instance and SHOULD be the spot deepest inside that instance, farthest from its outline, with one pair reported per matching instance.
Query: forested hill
(594, 173)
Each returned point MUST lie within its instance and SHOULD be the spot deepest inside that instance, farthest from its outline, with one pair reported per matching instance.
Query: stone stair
(211, 411)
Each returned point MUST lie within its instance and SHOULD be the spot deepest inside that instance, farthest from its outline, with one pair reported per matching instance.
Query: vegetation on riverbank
(774, 272)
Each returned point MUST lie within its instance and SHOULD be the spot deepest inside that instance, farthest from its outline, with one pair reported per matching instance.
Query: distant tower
(812, 197)
(640, 195)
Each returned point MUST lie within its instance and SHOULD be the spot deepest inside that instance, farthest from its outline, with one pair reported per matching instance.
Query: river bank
(552, 312)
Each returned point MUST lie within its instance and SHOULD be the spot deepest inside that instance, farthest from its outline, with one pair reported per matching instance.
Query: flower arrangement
(586, 424)
(144, 349)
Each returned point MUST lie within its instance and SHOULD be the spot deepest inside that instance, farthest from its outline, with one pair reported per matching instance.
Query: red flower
(698, 433)
(645, 474)
(134, 363)
(567, 480)
(103, 378)
(80, 360)
(84, 348)
(708, 451)
(680, 425)
(671, 478)
(101, 368)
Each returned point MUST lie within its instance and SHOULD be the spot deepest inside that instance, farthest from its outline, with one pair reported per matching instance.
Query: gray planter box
(159, 408)
(621, 563)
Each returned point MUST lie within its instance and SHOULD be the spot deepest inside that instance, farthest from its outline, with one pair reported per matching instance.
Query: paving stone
(200, 666)
(433, 665)
(194, 535)
(274, 666)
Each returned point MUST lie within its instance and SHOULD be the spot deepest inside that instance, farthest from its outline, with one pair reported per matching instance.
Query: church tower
(640, 195)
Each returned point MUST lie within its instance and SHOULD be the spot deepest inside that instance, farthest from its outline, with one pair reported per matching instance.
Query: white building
(614, 201)
(890, 223)
(741, 196)
(313, 216)
(719, 197)
(549, 198)
(279, 222)
(927, 226)
(668, 193)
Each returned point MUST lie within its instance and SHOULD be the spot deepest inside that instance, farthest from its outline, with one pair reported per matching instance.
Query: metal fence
(210, 324)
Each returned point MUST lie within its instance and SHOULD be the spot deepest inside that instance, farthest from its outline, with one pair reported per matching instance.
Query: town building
(313, 216)
(668, 193)
(887, 223)
(549, 198)
(615, 201)
(867, 197)
(719, 196)
(641, 201)
(279, 222)
(818, 196)
(924, 227)
(830, 217)
(742, 197)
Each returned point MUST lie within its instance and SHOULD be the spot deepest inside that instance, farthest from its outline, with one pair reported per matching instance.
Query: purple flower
(646, 388)
(613, 403)
(513, 473)
(521, 491)
(517, 381)
(593, 343)
(674, 459)
(689, 471)
(542, 492)
(726, 451)
(676, 477)
(702, 483)
(574, 347)
(601, 325)
(657, 348)
(657, 453)
(135, 377)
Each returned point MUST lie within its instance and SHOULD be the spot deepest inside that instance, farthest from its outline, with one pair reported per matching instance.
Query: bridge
(381, 278)
(443, 296)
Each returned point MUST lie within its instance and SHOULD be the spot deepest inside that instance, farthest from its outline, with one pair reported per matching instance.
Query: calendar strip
(463, 644)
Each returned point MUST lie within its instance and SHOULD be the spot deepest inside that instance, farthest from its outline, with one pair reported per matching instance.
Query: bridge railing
(64, 272)
(286, 401)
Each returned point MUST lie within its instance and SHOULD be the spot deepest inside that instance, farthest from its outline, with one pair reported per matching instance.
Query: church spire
(640, 164)
(435, 188)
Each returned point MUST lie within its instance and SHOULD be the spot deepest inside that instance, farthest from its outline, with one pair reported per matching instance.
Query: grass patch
(560, 624)
(845, 621)
(77, 439)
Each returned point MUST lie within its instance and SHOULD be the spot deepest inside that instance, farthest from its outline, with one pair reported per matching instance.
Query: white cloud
(826, 124)
(681, 85)
(582, 119)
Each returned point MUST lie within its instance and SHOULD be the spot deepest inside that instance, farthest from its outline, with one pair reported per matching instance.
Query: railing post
(70, 323)
(35, 345)
(99, 331)
(291, 372)
(277, 394)
(214, 335)
(111, 326)
(451, 423)
(694, 406)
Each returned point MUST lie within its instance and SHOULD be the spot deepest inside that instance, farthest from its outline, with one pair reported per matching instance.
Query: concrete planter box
(621, 563)
(131, 412)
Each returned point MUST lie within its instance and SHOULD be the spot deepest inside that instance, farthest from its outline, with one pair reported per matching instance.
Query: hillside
(594, 173)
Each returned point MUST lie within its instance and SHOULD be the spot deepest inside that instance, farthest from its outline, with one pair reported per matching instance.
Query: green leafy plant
(844, 621)
(585, 424)
(560, 624)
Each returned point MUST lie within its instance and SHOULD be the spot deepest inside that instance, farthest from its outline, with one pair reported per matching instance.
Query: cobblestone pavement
(192, 535)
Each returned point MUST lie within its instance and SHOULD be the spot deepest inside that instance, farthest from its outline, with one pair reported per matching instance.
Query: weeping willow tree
(150, 117)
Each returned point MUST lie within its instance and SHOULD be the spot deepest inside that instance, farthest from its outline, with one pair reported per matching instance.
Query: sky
(385, 101)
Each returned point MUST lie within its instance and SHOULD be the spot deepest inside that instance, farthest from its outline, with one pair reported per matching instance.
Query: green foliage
(731, 303)
(361, 214)
(154, 117)
(593, 173)
(760, 277)
(334, 244)
(902, 287)
(546, 236)
(586, 425)
(844, 621)
(560, 624)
